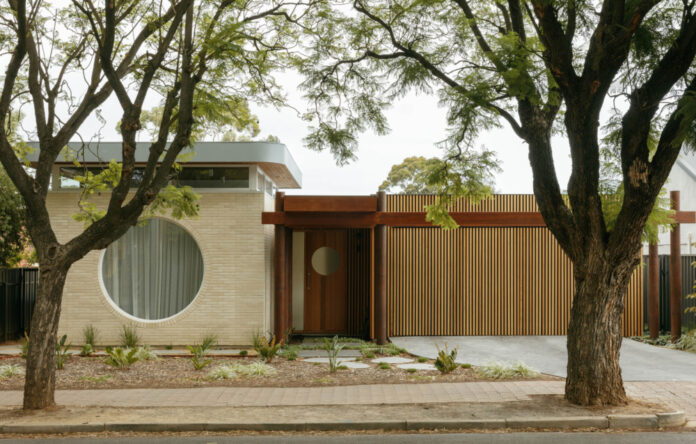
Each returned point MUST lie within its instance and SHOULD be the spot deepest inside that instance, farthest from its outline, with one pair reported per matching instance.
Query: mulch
(177, 372)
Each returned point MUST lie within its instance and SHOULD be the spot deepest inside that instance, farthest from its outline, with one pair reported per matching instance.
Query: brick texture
(236, 293)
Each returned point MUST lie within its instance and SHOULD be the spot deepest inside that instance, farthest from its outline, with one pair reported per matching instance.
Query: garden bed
(172, 372)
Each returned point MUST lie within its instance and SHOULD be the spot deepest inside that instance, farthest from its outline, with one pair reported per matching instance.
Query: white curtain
(154, 271)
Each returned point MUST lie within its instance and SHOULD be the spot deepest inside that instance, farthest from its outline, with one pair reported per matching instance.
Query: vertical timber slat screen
(483, 281)
(358, 282)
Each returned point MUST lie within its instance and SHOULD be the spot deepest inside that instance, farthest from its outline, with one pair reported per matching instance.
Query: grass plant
(129, 336)
(498, 370)
(10, 371)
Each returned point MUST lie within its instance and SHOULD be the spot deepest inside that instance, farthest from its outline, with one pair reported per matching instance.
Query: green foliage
(61, 351)
(445, 361)
(10, 371)
(129, 336)
(266, 350)
(384, 366)
(90, 334)
(144, 353)
(254, 369)
(497, 370)
(422, 359)
(121, 358)
(13, 237)
(411, 176)
(369, 349)
(612, 187)
(333, 347)
(243, 352)
(200, 351)
(466, 365)
(411, 370)
(86, 350)
(289, 352)
(686, 342)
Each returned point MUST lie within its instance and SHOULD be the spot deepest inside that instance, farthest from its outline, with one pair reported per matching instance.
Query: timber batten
(484, 280)
(500, 273)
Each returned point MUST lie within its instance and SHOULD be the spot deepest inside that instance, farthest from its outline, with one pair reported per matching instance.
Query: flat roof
(273, 158)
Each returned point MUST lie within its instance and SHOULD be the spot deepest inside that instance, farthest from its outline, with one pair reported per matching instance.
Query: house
(257, 260)
(682, 178)
(179, 279)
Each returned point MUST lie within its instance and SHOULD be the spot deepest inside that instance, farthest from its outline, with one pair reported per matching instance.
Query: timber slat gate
(17, 296)
(688, 273)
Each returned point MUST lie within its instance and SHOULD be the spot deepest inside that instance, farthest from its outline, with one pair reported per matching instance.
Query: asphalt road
(507, 438)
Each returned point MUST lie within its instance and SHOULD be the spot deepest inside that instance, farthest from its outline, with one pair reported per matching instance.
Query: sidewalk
(678, 395)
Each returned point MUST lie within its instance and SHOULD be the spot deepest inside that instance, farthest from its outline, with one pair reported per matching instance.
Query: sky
(417, 123)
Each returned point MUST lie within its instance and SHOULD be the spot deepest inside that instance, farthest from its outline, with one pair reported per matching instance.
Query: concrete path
(678, 395)
(639, 361)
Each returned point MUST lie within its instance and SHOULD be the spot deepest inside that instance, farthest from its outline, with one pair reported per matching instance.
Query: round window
(154, 271)
(325, 261)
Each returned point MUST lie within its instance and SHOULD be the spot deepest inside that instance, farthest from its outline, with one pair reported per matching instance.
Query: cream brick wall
(236, 293)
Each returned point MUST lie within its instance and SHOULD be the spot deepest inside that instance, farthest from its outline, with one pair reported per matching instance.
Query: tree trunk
(40, 382)
(595, 333)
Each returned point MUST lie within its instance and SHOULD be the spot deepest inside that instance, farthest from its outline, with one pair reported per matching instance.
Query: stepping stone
(417, 366)
(326, 360)
(392, 360)
(351, 364)
(323, 354)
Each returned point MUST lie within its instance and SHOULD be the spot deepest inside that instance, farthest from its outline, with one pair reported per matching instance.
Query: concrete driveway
(547, 354)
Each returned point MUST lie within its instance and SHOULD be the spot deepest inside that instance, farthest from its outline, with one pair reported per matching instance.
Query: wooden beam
(400, 219)
(381, 274)
(280, 280)
(685, 217)
(324, 204)
(653, 291)
(675, 288)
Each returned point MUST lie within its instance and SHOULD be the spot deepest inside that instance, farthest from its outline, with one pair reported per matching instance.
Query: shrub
(129, 336)
(223, 372)
(86, 350)
(199, 352)
(497, 370)
(89, 334)
(266, 350)
(144, 353)
(686, 342)
(169, 347)
(243, 352)
(411, 370)
(384, 366)
(254, 369)
(422, 359)
(234, 371)
(445, 361)
(121, 358)
(466, 365)
(333, 348)
(369, 355)
(61, 351)
(289, 352)
(10, 370)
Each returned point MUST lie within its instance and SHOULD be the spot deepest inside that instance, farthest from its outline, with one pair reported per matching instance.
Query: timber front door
(325, 283)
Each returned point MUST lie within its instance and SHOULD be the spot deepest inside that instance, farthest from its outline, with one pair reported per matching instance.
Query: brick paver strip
(678, 395)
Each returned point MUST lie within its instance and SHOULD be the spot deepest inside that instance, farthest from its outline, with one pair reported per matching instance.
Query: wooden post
(381, 274)
(280, 274)
(653, 291)
(675, 290)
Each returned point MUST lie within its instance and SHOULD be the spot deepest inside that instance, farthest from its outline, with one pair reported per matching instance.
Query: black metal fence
(688, 272)
(17, 296)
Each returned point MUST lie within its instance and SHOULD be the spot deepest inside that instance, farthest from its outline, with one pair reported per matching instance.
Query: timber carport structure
(372, 266)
